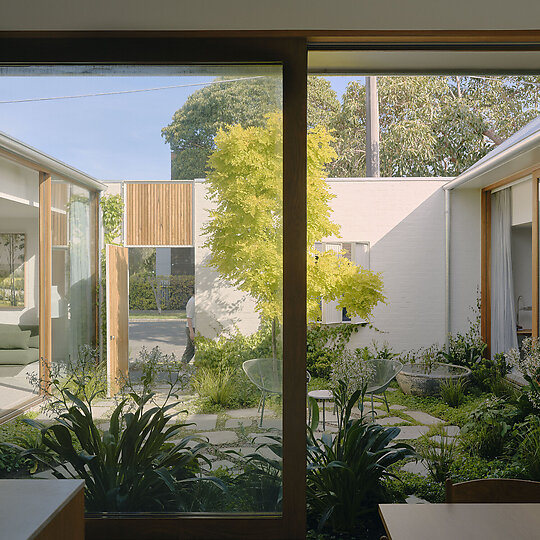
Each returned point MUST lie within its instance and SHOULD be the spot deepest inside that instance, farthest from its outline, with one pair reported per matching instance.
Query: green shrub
(131, 467)
(11, 462)
(453, 392)
(407, 483)
(528, 453)
(215, 384)
(486, 432)
(233, 350)
(325, 343)
(176, 293)
(437, 455)
(346, 470)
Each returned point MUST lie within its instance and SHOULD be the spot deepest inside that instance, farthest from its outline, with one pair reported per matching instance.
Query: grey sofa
(26, 350)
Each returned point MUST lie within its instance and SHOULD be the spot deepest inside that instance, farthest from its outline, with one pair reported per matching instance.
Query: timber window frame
(485, 251)
(289, 47)
(291, 54)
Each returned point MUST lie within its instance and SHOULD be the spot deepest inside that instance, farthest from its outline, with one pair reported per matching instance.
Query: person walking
(189, 353)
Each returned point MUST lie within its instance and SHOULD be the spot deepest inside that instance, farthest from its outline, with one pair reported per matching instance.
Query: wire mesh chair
(385, 370)
(267, 375)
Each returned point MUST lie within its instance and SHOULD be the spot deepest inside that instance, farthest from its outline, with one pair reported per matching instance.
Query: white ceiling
(269, 15)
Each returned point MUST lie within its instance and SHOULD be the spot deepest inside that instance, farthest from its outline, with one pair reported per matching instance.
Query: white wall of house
(220, 307)
(465, 243)
(403, 220)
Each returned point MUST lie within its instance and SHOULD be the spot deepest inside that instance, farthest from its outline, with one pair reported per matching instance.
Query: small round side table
(324, 396)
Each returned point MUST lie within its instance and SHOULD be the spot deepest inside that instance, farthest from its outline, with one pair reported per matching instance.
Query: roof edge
(47, 163)
(507, 155)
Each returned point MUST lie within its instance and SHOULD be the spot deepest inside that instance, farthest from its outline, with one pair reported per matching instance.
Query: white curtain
(80, 271)
(503, 314)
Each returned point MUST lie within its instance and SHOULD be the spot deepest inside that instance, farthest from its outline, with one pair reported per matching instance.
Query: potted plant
(422, 374)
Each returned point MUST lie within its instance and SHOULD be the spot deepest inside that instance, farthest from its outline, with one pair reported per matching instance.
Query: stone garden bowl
(415, 379)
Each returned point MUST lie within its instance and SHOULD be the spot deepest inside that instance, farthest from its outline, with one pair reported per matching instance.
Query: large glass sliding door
(73, 260)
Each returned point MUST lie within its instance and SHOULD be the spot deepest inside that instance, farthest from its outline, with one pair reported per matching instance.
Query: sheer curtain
(503, 314)
(80, 275)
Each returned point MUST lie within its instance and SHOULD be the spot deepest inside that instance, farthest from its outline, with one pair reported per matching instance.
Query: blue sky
(114, 137)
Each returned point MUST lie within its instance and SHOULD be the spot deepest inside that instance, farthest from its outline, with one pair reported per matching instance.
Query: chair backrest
(493, 490)
(385, 369)
(265, 373)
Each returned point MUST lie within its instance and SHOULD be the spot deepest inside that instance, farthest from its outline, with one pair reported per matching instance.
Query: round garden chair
(267, 375)
(385, 370)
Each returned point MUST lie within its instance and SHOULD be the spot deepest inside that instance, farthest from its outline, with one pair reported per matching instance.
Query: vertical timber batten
(485, 283)
(294, 288)
(45, 275)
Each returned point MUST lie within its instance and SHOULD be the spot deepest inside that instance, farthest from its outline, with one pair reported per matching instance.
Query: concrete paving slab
(413, 499)
(247, 413)
(219, 437)
(416, 467)
(411, 432)
(452, 431)
(424, 418)
(238, 422)
(202, 421)
(261, 438)
(275, 423)
(389, 421)
(398, 407)
(222, 464)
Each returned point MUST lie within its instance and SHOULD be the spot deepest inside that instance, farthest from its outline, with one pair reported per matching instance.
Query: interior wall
(522, 272)
(18, 183)
(521, 202)
(465, 257)
(28, 314)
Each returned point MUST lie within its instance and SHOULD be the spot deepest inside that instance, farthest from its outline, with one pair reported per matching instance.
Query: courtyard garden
(188, 438)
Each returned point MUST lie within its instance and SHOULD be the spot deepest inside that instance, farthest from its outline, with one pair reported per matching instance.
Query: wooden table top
(461, 521)
(27, 506)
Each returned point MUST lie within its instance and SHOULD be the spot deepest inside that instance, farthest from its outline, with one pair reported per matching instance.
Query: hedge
(175, 291)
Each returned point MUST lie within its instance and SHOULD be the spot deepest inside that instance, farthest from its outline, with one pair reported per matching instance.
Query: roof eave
(22, 152)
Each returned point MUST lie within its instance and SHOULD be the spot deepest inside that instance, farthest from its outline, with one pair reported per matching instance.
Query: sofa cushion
(33, 342)
(14, 338)
(20, 357)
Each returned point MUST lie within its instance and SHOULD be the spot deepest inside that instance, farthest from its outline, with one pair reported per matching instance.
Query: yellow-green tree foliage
(245, 232)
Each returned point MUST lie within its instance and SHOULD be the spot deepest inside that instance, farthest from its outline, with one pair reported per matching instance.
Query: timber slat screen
(59, 196)
(158, 214)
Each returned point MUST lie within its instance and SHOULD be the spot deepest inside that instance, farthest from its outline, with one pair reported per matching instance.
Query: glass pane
(198, 214)
(73, 291)
(19, 284)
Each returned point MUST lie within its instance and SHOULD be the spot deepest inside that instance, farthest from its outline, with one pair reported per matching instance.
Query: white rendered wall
(465, 242)
(404, 222)
(403, 219)
(220, 308)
